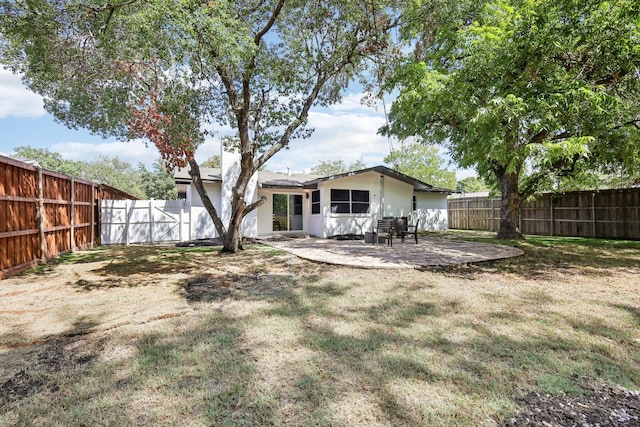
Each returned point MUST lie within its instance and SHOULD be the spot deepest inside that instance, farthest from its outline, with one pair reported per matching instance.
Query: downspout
(381, 196)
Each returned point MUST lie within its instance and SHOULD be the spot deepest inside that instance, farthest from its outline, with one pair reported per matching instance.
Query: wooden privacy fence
(613, 214)
(44, 214)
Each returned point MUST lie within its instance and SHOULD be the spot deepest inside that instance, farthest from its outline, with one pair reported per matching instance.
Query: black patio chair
(410, 230)
(384, 228)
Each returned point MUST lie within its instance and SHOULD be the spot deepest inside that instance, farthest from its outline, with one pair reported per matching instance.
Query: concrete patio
(429, 252)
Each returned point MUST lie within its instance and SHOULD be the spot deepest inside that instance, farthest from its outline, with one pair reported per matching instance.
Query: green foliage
(104, 170)
(472, 184)
(116, 173)
(212, 162)
(158, 183)
(49, 160)
(529, 91)
(336, 167)
(160, 70)
(422, 162)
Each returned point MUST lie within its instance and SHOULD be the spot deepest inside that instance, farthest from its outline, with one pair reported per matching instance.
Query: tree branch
(612, 78)
(254, 205)
(269, 23)
(634, 123)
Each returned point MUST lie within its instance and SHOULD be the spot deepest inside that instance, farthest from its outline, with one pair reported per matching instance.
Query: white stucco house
(348, 203)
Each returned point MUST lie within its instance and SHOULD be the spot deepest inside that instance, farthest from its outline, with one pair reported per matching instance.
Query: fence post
(593, 212)
(491, 220)
(466, 204)
(43, 240)
(551, 229)
(180, 215)
(72, 234)
(151, 223)
(127, 221)
(93, 215)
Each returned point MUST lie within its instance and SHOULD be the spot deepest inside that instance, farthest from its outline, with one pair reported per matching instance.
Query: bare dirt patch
(600, 405)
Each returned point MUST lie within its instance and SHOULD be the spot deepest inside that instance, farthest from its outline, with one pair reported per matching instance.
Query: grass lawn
(149, 335)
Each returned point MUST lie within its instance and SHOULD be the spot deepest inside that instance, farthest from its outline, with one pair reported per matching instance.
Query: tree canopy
(336, 167)
(156, 183)
(49, 160)
(212, 162)
(422, 161)
(173, 71)
(528, 91)
(472, 184)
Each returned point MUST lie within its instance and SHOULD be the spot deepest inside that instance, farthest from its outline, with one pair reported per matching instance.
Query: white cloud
(465, 173)
(16, 100)
(133, 151)
(338, 136)
(353, 102)
(210, 147)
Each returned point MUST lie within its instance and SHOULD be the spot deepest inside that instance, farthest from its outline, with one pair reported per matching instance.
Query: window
(340, 201)
(315, 202)
(182, 191)
(349, 201)
(359, 201)
(414, 204)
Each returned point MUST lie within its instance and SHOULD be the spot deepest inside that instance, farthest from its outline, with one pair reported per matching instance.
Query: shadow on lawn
(459, 375)
(143, 265)
(545, 257)
(204, 369)
(199, 373)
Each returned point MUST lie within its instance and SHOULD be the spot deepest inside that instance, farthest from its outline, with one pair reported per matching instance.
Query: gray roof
(266, 179)
(299, 180)
(181, 175)
(418, 185)
(283, 180)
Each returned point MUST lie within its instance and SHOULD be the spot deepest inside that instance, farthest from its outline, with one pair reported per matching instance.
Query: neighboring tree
(422, 162)
(529, 92)
(104, 170)
(212, 162)
(336, 167)
(49, 160)
(472, 184)
(116, 173)
(162, 69)
(158, 183)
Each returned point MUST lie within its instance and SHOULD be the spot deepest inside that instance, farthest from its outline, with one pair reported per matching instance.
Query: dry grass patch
(195, 337)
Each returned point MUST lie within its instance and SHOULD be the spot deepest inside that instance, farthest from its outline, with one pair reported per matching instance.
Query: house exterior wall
(398, 198)
(387, 197)
(315, 222)
(431, 209)
(201, 223)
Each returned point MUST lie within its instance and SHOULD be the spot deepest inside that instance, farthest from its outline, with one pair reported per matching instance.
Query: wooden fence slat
(44, 214)
(604, 214)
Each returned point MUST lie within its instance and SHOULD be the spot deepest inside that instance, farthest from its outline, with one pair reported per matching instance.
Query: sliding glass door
(287, 212)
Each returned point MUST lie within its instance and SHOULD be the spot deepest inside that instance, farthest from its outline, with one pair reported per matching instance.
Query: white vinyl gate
(144, 221)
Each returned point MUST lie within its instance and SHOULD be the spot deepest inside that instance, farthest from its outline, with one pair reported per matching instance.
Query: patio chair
(410, 230)
(384, 229)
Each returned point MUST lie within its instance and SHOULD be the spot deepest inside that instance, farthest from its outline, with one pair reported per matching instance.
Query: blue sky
(346, 131)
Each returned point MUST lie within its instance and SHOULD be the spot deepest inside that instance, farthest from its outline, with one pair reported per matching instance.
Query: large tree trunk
(230, 234)
(510, 206)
